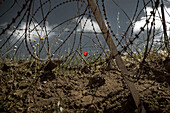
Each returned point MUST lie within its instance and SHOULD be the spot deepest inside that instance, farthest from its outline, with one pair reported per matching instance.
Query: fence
(72, 35)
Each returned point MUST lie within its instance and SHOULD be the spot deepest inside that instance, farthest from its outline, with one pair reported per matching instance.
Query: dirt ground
(95, 90)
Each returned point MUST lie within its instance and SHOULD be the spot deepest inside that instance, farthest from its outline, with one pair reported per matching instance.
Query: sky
(68, 10)
(158, 25)
(117, 19)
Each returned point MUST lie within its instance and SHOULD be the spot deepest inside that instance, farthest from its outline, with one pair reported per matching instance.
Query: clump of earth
(96, 89)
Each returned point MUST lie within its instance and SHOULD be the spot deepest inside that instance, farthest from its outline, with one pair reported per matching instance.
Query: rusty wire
(123, 41)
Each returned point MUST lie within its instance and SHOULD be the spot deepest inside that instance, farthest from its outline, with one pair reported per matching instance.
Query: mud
(24, 88)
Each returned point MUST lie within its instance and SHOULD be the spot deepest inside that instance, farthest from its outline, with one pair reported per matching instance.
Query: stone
(92, 109)
(96, 81)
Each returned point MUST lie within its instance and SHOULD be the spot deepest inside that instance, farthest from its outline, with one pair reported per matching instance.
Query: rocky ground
(26, 88)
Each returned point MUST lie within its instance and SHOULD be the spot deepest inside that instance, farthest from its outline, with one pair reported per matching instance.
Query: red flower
(85, 53)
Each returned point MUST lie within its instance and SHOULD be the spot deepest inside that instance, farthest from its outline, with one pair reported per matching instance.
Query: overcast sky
(67, 11)
(118, 20)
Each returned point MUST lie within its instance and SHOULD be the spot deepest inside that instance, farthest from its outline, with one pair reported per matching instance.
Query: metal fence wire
(126, 42)
(69, 38)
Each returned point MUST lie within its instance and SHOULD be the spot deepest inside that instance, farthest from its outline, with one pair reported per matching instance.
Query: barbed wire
(47, 49)
(122, 41)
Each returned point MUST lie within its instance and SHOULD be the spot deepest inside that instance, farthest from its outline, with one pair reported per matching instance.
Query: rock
(167, 64)
(69, 87)
(23, 85)
(47, 75)
(86, 100)
(53, 64)
(85, 69)
(92, 109)
(96, 81)
(7, 65)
